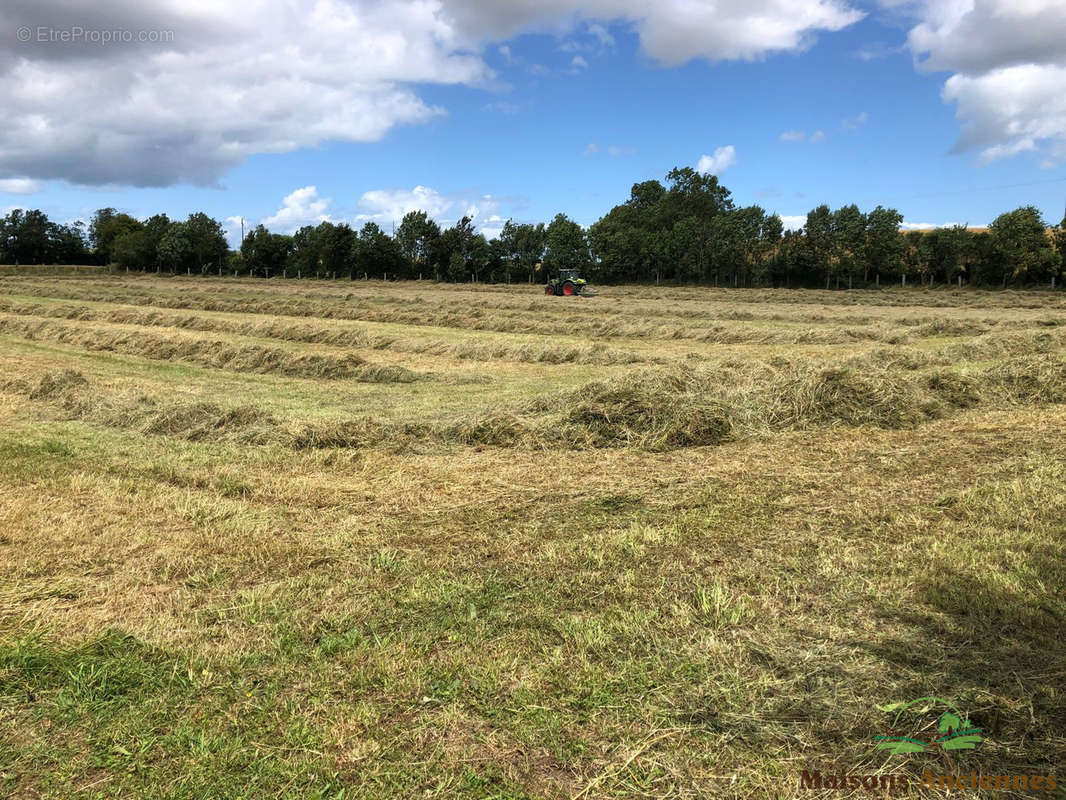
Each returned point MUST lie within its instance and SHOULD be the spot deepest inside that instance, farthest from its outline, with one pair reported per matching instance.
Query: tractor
(568, 283)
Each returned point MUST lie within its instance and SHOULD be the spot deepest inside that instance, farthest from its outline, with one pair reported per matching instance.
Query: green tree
(819, 239)
(849, 240)
(1059, 237)
(376, 253)
(28, 237)
(106, 226)
(1022, 246)
(68, 243)
(207, 239)
(566, 246)
(263, 252)
(176, 252)
(521, 248)
(305, 257)
(884, 242)
(418, 236)
(139, 249)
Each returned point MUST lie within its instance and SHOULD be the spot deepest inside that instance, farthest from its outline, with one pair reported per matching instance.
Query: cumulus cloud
(723, 159)
(793, 222)
(19, 186)
(299, 208)
(388, 206)
(282, 78)
(267, 76)
(817, 136)
(1008, 59)
(672, 31)
(793, 136)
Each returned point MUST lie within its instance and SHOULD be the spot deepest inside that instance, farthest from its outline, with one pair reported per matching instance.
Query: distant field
(284, 539)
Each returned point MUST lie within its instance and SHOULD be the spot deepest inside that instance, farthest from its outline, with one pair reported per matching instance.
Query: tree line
(684, 230)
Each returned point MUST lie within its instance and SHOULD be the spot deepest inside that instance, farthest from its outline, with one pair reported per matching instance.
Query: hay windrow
(249, 358)
(335, 336)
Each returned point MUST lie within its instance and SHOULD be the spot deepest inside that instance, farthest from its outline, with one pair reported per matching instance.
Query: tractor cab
(567, 284)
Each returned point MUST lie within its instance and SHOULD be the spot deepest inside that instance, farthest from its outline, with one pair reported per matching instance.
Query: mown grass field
(279, 539)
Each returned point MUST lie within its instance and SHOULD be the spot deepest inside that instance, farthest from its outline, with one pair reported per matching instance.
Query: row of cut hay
(885, 296)
(206, 353)
(337, 336)
(71, 394)
(663, 409)
(1003, 344)
(677, 408)
(544, 322)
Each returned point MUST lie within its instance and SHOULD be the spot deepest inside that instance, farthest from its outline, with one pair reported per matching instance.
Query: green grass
(226, 618)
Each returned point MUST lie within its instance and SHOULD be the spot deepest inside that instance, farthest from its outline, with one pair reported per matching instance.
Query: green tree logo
(954, 729)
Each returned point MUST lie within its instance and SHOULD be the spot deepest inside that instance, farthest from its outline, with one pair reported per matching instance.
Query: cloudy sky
(289, 113)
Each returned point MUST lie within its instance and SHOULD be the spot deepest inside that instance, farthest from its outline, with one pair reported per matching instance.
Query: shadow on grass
(993, 642)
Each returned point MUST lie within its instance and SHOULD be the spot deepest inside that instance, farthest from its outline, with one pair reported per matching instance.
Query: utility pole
(242, 230)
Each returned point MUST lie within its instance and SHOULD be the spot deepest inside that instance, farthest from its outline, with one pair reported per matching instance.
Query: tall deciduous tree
(884, 242)
(1022, 246)
(566, 246)
(263, 252)
(418, 237)
(106, 226)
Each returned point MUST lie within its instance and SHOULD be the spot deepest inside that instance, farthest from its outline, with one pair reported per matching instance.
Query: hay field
(280, 539)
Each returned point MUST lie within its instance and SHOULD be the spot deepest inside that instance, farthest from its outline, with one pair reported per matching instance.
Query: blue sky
(540, 115)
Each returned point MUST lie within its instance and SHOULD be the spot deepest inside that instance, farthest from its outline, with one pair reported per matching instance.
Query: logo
(954, 731)
(926, 725)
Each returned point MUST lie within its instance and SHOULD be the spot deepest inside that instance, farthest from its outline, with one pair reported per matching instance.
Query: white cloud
(578, 63)
(299, 208)
(493, 226)
(793, 222)
(233, 227)
(877, 50)
(723, 159)
(672, 31)
(1011, 110)
(792, 136)
(268, 76)
(388, 206)
(817, 136)
(503, 107)
(603, 36)
(237, 79)
(613, 150)
(19, 186)
(925, 226)
(1008, 59)
(856, 122)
